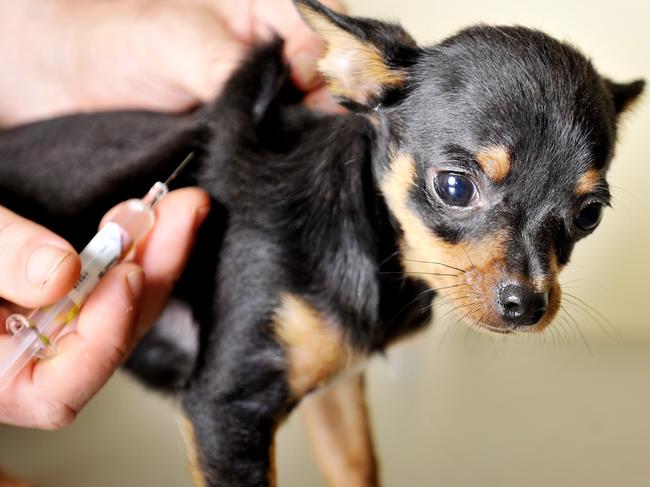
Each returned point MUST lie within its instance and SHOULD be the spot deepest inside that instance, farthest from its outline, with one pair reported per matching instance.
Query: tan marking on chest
(315, 346)
(588, 182)
(273, 470)
(495, 162)
(193, 464)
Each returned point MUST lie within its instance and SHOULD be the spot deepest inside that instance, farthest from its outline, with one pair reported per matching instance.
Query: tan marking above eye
(315, 346)
(469, 272)
(495, 162)
(588, 182)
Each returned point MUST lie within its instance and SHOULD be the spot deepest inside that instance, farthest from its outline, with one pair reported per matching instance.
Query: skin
(114, 55)
(119, 54)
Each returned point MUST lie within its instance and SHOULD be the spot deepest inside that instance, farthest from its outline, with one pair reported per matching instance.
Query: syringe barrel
(33, 335)
(37, 332)
(135, 218)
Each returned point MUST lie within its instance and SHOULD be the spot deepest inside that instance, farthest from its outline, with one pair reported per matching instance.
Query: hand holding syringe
(36, 333)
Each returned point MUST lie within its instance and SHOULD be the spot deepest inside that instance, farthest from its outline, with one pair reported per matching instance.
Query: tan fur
(479, 264)
(336, 421)
(588, 182)
(315, 346)
(540, 283)
(7, 481)
(189, 437)
(495, 162)
(273, 476)
(353, 69)
(555, 294)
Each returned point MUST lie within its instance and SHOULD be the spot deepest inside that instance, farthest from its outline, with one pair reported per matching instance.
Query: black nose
(521, 305)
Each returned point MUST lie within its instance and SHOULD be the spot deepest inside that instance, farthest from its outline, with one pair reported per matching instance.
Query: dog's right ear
(624, 95)
(365, 61)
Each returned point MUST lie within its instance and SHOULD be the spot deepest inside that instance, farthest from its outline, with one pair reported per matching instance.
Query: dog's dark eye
(589, 217)
(454, 189)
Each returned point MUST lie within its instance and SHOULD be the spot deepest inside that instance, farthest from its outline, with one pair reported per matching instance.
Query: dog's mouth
(485, 295)
(506, 308)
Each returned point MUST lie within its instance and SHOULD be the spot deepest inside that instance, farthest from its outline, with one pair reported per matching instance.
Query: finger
(49, 393)
(302, 47)
(164, 253)
(203, 56)
(37, 267)
(166, 250)
(5, 312)
(320, 99)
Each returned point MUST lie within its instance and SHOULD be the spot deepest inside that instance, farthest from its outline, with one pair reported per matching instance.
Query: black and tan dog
(469, 169)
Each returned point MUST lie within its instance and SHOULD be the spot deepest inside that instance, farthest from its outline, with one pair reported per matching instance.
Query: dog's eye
(454, 189)
(589, 216)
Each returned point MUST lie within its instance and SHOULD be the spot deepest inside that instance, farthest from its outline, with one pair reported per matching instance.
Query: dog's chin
(502, 328)
(495, 329)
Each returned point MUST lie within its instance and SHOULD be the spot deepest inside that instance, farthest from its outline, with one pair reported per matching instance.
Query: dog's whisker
(433, 307)
(593, 310)
(435, 263)
(423, 261)
(566, 326)
(577, 327)
(562, 333)
(416, 273)
(424, 293)
(473, 267)
(584, 312)
(447, 313)
(550, 331)
(454, 325)
(558, 329)
(470, 332)
(572, 281)
(387, 259)
(447, 299)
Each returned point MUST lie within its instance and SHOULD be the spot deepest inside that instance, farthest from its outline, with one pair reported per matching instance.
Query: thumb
(36, 266)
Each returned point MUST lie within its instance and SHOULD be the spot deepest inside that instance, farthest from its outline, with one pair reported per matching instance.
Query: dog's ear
(365, 61)
(624, 94)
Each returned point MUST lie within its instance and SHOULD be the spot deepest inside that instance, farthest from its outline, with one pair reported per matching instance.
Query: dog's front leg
(336, 421)
(233, 408)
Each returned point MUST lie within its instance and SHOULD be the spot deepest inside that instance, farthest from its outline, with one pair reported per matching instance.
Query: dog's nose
(521, 305)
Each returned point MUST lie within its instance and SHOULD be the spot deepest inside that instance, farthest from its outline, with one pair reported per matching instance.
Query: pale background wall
(459, 409)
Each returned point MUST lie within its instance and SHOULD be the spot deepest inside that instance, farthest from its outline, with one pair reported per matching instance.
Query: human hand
(165, 55)
(38, 267)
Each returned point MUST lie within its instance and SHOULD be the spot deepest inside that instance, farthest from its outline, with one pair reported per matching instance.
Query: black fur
(297, 207)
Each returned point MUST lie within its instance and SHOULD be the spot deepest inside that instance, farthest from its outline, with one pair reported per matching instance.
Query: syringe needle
(180, 167)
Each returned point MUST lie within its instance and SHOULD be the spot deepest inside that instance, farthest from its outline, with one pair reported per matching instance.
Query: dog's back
(292, 193)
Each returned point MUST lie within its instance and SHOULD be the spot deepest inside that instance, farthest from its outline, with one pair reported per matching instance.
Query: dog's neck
(387, 303)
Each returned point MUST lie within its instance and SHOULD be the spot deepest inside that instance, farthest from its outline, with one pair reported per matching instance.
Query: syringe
(35, 334)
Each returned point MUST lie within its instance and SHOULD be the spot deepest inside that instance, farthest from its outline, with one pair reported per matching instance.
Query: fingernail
(200, 215)
(135, 281)
(43, 263)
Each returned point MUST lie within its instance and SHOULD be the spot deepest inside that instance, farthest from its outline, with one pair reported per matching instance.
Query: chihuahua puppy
(468, 169)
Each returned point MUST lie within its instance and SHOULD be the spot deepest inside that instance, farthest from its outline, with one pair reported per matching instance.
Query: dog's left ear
(365, 61)
(624, 94)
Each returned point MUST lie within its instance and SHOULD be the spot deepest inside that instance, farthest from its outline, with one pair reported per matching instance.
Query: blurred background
(453, 407)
